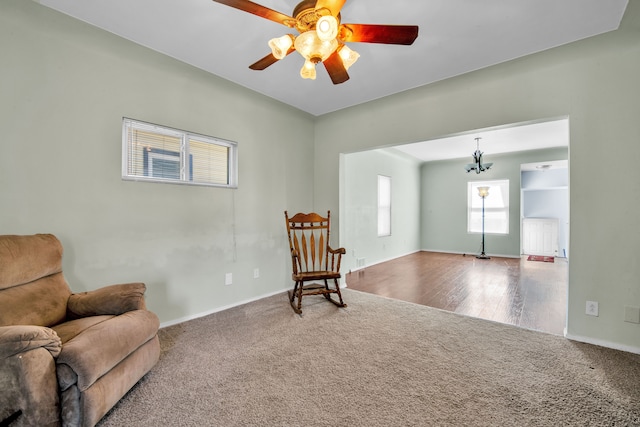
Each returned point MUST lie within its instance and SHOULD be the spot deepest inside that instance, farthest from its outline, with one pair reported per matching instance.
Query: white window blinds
(157, 153)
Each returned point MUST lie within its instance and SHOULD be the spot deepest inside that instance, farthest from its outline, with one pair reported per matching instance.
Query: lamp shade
(281, 45)
(349, 57)
(483, 192)
(308, 70)
(327, 28)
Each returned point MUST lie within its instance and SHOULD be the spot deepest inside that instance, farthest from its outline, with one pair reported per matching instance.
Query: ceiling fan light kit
(322, 37)
(313, 48)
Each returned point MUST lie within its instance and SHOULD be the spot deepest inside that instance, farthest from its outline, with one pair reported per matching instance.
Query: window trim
(385, 208)
(472, 194)
(186, 168)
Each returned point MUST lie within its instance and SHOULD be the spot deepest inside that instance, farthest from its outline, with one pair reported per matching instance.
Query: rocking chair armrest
(294, 260)
(336, 257)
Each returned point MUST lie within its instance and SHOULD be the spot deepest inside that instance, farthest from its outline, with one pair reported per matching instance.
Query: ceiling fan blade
(374, 33)
(267, 61)
(259, 10)
(333, 5)
(335, 68)
(263, 63)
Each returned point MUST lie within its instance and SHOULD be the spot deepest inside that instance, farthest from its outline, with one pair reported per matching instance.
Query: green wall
(429, 207)
(360, 206)
(64, 88)
(444, 202)
(595, 84)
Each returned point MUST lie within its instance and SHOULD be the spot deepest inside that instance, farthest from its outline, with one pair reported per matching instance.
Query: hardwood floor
(529, 294)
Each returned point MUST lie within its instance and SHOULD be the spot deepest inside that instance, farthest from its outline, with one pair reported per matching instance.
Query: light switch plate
(631, 314)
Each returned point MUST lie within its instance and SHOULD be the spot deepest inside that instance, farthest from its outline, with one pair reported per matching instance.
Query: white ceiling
(456, 36)
(506, 139)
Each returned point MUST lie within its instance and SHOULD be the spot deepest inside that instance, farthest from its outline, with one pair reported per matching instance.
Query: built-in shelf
(562, 187)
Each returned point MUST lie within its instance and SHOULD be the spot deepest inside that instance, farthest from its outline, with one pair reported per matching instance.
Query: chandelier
(477, 164)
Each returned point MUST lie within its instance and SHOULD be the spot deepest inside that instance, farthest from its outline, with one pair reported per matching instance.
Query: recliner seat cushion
(69, 330)
(99, 348)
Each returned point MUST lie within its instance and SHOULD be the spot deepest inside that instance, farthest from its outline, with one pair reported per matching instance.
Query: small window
(162, 154)
(496, 207)
(384, 206)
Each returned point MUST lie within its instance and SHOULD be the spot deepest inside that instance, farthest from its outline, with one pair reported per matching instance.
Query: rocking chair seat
(315, 275)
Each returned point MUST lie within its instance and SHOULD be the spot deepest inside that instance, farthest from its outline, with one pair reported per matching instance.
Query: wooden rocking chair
(312, 258)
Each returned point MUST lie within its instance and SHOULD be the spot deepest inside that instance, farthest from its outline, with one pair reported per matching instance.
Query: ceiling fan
(322, 36)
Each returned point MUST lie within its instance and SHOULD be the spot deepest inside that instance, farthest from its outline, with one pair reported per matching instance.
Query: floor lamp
(483, 192)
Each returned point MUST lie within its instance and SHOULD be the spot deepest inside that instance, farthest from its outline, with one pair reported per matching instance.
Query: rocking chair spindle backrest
(309, 241)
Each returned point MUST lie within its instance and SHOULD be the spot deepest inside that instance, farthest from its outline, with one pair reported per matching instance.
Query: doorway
(544, 208)
(429, 203)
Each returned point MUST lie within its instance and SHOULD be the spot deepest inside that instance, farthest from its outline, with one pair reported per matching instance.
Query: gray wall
(360, 206)
(64, 88)
(444, 202)
(594, 82)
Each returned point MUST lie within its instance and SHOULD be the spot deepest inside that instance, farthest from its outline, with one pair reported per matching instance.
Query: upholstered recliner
(66, 359)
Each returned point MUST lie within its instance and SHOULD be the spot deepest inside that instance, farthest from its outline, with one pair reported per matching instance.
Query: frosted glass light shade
(349, 57)
(312, 48)
(281, 45)
(308, 70)
(327, 28)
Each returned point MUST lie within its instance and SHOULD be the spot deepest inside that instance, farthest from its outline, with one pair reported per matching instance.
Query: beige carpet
(379, 362)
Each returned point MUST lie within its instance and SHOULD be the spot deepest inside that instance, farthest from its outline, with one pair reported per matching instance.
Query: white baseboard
(602, 343)
(218, 309)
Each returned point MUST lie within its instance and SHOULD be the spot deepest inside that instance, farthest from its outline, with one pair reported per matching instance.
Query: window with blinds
(161, 154)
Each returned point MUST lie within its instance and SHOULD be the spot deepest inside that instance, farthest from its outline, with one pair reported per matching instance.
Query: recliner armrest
(114, 299)
(18, 339)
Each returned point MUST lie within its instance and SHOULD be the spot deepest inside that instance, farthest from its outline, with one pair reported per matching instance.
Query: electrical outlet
(592, 308)
(228, 279)
(256, 273)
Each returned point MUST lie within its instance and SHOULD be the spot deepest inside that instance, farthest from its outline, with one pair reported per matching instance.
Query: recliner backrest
(33, 290)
